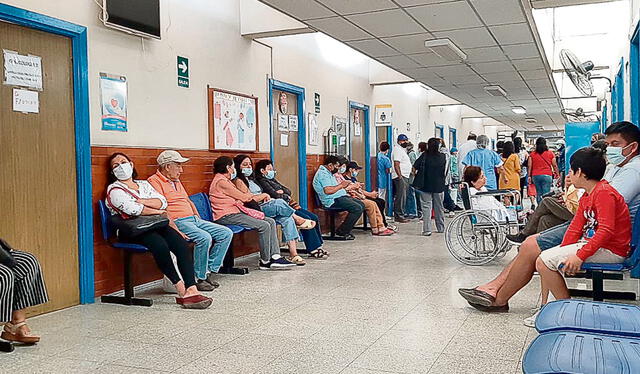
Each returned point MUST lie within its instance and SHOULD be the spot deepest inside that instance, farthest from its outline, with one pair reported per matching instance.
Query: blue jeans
(281, 212)
(552, 237)
(410, 206)
(543, 185)
(204, 233)
(312, 238)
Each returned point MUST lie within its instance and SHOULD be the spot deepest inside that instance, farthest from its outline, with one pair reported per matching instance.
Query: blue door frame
(302, 137)
(389, 196)
(634, 76)
(617, 95)
(439, 131)
(453, 134)
(367, 141)
(78, 36)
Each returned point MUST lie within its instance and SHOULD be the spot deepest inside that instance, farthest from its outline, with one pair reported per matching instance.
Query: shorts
(552, 237)
(553, 257)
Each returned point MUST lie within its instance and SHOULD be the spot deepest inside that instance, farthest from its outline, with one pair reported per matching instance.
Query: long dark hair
(517, 144)
(112, 177)
(433, 146)
(221, 163)
(236, 162)
(507, 149)
(541, 145)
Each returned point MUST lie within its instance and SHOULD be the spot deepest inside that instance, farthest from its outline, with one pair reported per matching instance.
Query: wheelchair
(476, 237)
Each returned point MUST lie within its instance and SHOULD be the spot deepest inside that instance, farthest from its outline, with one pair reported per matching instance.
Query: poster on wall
(357, 128)
(233, 121)
(283, 122)
(22, 70)
(293, 122)
(314, 130)
(113, 95)
(384, 115)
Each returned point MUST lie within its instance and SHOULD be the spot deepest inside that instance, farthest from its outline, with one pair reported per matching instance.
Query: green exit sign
(183, 71)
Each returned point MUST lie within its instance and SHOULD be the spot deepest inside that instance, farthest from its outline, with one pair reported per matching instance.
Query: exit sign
(183, 71)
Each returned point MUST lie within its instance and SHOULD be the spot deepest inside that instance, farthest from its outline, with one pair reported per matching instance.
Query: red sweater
(603, 221)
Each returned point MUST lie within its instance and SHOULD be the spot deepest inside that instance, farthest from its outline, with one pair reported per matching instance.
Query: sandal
(297, 260)
(12, 333)
(386, 232)
(194, 302)
(318, 254)
(307, 225)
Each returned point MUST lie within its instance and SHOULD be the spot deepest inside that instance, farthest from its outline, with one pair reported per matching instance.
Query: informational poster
(113, 94)
(313, 129)
(21, 70)
(293, 123)
(357, 128)
(316, 102)
(284, 140)
(234, 121)
(384, 115)
(283, 122)
(25, 101)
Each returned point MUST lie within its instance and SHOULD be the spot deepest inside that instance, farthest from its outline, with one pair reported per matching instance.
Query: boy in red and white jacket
(599, 232)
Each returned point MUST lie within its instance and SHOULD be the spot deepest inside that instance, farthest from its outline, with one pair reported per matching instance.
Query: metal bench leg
(598, 293)
(229, 262)
(128, 298)
(332, 227)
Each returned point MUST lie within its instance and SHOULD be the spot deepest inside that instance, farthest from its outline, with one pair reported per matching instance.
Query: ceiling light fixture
(445, 49)
(530, 120)
(518, 110)
(495, 90)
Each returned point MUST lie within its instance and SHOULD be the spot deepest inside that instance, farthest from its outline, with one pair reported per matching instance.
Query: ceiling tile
(409, 43)
(534, 74)
(528, 64)
(498, 12)
(339, 28)
(510, 84)
(445, 16)
(502, 77)
(485, 54)
(399, 62)
(302, 10)
(468, 38)
(373, 48)
(493, 67)
(357, 6)
(465, 79)
(419, 2)
(387, 23)
(543, 83)
(512, 34)
(519, 51)
(431, 59)
(448, 71)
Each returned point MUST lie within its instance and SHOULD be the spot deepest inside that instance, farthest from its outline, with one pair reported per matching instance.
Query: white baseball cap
(170, 156)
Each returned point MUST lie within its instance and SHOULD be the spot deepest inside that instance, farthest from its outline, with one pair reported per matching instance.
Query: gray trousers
(429, 201)
(400, 185)
(267, 234)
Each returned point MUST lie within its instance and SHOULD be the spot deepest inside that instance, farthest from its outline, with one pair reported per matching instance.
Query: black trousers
(354, 208)
(161, 243)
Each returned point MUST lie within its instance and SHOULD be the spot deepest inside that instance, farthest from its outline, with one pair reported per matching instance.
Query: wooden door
(356, 131)
(285, 157)
(38, 206)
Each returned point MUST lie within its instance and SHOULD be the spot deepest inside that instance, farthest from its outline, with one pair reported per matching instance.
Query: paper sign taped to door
(284, 140)
(21, 70)
(25, 101)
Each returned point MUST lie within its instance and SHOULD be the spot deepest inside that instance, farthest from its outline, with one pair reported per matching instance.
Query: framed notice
(113, 97)
(233, 121)
(383, 115)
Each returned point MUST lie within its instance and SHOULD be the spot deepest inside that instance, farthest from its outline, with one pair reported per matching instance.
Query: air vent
(495, 91)
(445, 49)
(540, 128)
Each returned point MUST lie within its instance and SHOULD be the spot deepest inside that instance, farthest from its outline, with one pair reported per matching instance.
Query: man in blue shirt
(384, 167)
(334, 195)
(486, 159)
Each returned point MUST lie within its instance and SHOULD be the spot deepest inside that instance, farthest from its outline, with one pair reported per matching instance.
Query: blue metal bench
(201, 201)
(331, 212)
(590, 316)
(129, 249)
(580, 352)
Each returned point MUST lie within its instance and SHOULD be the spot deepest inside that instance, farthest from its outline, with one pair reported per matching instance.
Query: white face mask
(123, 171)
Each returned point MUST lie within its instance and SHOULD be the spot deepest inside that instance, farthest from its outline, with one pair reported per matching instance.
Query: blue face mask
(342, 169)
(247, 171)
(615, 156)
(354, 173)
(270, 174)
(233, 174)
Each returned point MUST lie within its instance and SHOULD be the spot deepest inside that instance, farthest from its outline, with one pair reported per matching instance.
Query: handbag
(6, 258)
(253, 213)
(130, 227)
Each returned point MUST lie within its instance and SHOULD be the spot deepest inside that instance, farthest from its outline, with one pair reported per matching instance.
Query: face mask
(404, 145)
(615, 156)
(342, 169)
(270, 174)
(247, 171)
(233, 174)
(123, 171)
(354, 173)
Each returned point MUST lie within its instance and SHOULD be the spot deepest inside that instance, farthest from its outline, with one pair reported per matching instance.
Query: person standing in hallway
(411, 207)
(384, 169)
(523, 156)
(211, 240)
(510, 177)
(465, 148)
(430, 170)
(542, 167)
(400, 173)
(486, 159)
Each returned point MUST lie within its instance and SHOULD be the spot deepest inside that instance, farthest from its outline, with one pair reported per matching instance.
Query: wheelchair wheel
(474, 238)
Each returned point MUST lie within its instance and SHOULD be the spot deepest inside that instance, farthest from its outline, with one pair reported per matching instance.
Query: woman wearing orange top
(510, 177)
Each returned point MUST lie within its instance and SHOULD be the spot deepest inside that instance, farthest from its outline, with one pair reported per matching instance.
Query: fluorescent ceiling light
(445, 49)
(518, 110)
(495, 90)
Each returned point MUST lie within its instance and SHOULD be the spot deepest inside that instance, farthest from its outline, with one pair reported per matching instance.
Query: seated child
(475, 178)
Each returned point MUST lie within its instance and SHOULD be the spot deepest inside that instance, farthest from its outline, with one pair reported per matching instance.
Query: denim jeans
(410, 205)
(312, 238)
(543, 185)
(353, 207)
(281, 212)
(205, 257)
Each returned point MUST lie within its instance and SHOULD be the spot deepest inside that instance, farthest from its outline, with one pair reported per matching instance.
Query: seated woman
(378, 227)
(475, 178)
(129, 197)
(227, 204)
(278, 209)
(265, 176)
(21, 287)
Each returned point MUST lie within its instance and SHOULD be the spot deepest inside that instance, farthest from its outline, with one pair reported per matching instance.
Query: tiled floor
(378, 305)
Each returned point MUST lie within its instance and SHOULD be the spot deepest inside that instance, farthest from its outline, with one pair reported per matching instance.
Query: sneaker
(428, 233)
(211, 281)
(203, 286)
(531, 321)
(276, 263)
(452, 214)
(516, 239)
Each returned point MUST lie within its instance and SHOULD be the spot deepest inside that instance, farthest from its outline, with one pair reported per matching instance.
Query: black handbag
(6, 258)
(130, 227)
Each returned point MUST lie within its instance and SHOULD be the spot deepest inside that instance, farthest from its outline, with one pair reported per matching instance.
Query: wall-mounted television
(138, 17)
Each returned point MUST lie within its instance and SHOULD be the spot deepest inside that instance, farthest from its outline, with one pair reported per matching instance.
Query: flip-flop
(194, 302)
(491, 308)
(476, 296)
(297, 260)
(307, 225)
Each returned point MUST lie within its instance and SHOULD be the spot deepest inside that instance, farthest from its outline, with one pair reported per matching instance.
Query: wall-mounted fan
(579, 72)
(579, 115)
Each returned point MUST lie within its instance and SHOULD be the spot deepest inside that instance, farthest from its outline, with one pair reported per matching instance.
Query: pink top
(221, 203)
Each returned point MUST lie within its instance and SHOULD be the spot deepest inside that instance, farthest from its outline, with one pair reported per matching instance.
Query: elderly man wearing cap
(400, 173)
(207, 259)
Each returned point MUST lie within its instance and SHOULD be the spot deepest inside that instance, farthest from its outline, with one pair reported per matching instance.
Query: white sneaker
(531, 321)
